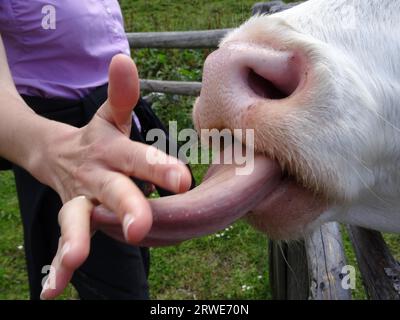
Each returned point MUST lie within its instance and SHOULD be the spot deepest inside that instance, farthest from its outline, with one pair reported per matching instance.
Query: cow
(320, 86)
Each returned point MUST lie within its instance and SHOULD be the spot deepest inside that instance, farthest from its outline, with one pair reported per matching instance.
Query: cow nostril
(264, 88)
(274, 86)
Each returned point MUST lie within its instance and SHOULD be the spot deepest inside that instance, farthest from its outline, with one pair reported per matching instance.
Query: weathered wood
(326, 259)
(311, 268)
(175, 87)
(379, 270)
(277, 253)
(183, 40)
(288, 270)
(272, 7)
(298, 279)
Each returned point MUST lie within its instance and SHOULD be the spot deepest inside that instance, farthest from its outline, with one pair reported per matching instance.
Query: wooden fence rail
(177, 40)
(184, 88)
(379, 270)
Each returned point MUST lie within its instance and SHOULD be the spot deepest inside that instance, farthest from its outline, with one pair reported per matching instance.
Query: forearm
(24, 136)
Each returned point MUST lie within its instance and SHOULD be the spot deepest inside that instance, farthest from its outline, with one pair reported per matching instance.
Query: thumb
(123, 92)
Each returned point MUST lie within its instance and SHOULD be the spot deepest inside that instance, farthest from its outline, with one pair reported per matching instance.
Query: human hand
(92, 165)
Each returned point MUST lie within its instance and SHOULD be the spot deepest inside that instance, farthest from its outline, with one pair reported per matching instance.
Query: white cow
(320, 85)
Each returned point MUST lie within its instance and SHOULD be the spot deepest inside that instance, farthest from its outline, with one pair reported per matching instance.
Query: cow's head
(319, 84)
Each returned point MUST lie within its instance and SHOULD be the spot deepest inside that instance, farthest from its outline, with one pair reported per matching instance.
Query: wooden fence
(175, 40)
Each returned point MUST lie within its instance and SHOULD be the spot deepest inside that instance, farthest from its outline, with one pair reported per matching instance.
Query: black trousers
(113, 270)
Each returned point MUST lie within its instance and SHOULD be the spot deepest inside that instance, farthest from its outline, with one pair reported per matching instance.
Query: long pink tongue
(221, 199)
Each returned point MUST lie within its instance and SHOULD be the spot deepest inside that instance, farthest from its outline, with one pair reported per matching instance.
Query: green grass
(232, 264)
(13, 280)
(162, 15)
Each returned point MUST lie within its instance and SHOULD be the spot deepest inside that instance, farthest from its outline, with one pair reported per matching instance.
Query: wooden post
(326, 259)
(379, 270)
(277, 253)
(309, 269)
(288, 273)
(298, 280)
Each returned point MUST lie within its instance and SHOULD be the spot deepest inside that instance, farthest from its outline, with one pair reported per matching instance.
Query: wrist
(43, 160)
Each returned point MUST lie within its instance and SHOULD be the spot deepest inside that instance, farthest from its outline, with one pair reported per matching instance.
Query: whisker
(360, 177)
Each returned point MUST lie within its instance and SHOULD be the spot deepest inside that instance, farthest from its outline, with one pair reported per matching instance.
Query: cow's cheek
(287, 212)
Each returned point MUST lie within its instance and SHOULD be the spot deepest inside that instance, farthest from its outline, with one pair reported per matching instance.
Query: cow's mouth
(223, 197)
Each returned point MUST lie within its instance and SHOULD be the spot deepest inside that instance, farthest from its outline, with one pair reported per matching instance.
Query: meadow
(232, 264)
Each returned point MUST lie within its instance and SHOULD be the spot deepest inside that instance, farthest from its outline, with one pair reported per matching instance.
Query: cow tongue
(221, 199)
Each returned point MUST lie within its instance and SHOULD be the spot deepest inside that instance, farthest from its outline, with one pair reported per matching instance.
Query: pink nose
(241, 75)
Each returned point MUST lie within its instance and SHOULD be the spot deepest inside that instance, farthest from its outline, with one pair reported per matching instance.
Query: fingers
(123, 92)
(149, 164)
(73, 248)
(120, 195)
(108, 222)
(102, 216)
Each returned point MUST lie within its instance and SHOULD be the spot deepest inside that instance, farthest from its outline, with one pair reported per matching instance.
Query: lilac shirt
(62, 55)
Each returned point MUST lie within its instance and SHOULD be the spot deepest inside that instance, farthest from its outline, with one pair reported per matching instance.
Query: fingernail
(127, 222)
(174, 179)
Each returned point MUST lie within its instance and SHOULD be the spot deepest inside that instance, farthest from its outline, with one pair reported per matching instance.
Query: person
(68, 88)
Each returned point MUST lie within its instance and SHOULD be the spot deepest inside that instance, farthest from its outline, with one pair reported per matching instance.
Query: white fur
(354, 117)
